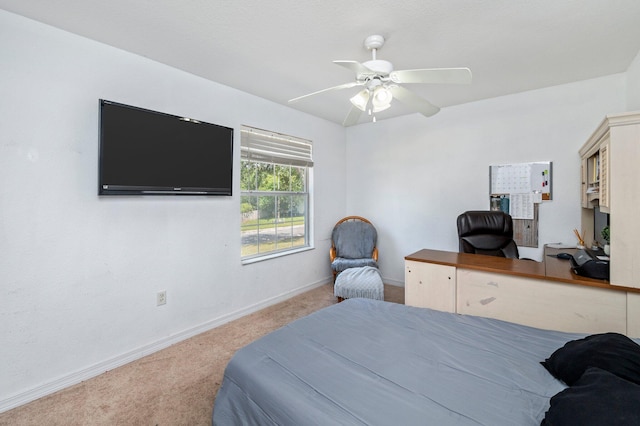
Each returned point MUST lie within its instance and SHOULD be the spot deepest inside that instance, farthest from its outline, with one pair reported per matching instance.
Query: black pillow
(597, 398)
(612, 352)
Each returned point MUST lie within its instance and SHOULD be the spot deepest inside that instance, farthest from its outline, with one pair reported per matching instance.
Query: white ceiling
(281, 49)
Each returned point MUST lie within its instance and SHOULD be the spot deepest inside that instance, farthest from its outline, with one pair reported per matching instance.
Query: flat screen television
(144, 152)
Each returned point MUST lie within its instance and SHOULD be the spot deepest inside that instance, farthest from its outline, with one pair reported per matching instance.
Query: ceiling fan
(382, 84)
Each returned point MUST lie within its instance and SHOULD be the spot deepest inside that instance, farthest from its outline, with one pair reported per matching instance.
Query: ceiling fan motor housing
(379, 66)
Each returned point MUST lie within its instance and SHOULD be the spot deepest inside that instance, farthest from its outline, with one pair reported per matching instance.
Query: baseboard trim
(393, 282)
(125, 358)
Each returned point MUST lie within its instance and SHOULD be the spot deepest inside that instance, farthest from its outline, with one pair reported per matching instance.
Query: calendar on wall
(522, 178)
(518, 189)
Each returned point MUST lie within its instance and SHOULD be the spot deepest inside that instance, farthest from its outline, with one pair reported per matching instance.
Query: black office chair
(487, 232)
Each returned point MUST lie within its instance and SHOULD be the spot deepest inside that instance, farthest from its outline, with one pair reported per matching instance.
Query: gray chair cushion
(340, 264)
(354, 239)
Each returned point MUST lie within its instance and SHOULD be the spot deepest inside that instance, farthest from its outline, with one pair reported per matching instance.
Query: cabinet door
(429, 285)
(584, 184)
(604, 176)
(624, 204)
(633, 315)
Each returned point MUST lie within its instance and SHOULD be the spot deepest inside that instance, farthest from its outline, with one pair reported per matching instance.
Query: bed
(369, 362)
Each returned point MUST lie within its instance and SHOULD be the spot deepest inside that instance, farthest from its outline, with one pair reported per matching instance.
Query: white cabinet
(595, 174)
(603, 153)
(544, 295)
(429, 285)
(543, 304)
(615, 148)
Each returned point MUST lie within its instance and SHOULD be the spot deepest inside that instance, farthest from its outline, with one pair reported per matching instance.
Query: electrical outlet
(161, 298)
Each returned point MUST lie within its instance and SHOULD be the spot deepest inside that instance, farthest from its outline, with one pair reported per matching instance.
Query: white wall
(413, 175)
(633, 85)
(79, 273)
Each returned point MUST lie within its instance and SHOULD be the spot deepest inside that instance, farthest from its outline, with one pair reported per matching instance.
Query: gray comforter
(367, 362)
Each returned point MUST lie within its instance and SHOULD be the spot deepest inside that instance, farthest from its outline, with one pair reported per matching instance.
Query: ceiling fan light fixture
(381, 99)
(360, 100)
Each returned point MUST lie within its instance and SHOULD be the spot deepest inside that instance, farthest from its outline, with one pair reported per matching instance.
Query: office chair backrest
(487, 232)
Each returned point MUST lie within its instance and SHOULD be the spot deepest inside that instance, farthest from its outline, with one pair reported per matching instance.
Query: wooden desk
(540, 294)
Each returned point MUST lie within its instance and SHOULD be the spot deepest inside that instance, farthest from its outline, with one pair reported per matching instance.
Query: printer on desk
(585, 263)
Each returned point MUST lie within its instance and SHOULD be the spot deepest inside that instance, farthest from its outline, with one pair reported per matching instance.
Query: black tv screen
(145, 152)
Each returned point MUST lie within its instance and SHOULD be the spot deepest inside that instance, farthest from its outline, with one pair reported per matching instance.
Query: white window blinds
(270, 147)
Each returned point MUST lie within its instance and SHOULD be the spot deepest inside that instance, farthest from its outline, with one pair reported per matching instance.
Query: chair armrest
(332, 254)
(374, 255)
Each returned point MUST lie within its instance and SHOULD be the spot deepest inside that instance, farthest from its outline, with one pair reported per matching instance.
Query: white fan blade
(432, 75)
(342, 86)
(413, 101)
(356, 67)
(352, 117)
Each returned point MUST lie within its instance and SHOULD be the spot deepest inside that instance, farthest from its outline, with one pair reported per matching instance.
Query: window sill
(260, 258)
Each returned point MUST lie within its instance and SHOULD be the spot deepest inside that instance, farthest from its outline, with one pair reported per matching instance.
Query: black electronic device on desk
(587, 264)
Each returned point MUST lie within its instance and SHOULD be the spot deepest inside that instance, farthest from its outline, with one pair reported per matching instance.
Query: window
(274, 198)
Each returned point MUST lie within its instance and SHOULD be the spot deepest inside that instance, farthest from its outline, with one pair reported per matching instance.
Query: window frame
(266, 148)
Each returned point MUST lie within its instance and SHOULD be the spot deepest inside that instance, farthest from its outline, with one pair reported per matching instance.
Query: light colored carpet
(175, 386)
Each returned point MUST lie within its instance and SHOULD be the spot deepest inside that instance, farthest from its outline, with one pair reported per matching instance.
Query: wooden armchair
(353, 244)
